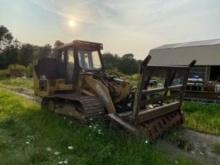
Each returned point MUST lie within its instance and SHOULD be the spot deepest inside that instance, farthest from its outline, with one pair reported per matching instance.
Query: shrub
(3, 73)
(29, 70)
(16, 70)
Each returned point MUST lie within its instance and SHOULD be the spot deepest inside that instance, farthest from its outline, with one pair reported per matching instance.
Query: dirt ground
(193, 145)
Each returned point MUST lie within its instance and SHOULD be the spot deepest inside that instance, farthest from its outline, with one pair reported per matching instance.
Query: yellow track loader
(73, 82)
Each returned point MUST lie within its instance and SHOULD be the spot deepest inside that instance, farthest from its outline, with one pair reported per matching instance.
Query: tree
(110, 61)
(128, 64)
(3, 61)
(5, 37)
(8, 48)
(44, 51)
(128, 56)
(9, 56)
(25, 55)
(125, 64)
(58, 43)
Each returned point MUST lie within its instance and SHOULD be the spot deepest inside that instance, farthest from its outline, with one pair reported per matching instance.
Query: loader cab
(61, 71)
(79, 57)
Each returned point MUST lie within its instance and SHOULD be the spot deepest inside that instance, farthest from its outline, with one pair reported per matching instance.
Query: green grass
(216, 148)
(27, 133)
(18, 82)
(133, 80)
(3, 73)
(202, 117)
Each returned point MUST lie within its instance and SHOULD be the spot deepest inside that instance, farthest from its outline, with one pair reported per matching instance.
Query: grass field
(29, 135)
(199, 116)
(202, 117)
(18, 82)
(216, 148)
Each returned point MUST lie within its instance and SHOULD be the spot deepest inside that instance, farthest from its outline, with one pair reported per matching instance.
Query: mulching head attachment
(157, 104)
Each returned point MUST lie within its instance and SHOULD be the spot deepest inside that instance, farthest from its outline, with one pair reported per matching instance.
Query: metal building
(206, 53)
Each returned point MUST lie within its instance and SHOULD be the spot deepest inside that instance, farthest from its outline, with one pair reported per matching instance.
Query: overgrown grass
(199, 116)
(3, 73)
(133, 79)
(18, 82)
(216, 148)
(202, 117)
(29, 135)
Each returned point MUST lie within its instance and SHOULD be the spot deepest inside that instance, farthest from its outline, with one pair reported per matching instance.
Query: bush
(16, 70)
(29, 70)
(3, 73)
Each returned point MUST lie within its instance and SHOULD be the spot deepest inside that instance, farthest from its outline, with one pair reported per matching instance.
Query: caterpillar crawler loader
(73, 82)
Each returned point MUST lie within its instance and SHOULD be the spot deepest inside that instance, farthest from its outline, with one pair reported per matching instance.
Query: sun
(72, 23)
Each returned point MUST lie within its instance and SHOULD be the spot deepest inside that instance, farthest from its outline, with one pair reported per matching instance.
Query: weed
(202, 117)
(29, 135)
(216, 148)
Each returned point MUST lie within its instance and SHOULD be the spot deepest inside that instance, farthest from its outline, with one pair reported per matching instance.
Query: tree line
(13, 51)
(126, 64)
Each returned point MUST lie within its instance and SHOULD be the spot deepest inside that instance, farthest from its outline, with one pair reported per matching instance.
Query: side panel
(48, 79)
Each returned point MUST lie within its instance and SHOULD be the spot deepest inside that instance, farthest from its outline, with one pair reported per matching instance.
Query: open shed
(206, 53)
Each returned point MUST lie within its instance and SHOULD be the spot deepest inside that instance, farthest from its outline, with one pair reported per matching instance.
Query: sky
(123, 26)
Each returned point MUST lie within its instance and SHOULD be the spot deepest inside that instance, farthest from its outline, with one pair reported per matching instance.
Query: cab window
(70, 65)
(89, 60)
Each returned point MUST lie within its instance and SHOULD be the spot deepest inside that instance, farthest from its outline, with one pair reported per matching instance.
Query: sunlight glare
(72, 23)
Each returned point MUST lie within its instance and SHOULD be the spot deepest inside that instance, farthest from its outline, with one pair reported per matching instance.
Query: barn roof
(205, 52)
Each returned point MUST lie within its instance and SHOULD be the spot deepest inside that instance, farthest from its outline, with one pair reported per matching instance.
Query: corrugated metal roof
(189, 44)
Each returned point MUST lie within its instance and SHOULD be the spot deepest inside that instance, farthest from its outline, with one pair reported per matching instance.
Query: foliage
(3, 73)
(41, 52)
(216, 148)
(31, 136)
(111, 61)
(8, 56)
(133, 79)
(17, 67)
(125, 64)
(5, 37)
(58, 43)
(8, 48)
(29, 70)
(128, 65)
(16, 70)
(202, 117)
(18, 82)
(13, 52)
(26, 54)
